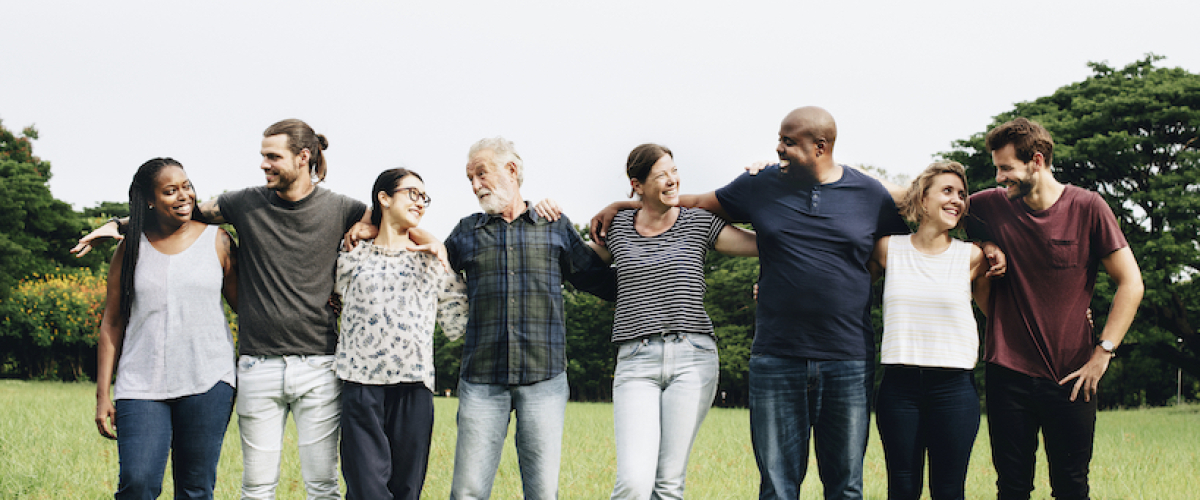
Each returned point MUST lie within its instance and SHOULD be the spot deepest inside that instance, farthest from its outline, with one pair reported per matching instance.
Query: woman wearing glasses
(391, 297)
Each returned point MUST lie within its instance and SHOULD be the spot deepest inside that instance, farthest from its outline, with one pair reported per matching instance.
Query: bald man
(812, 363)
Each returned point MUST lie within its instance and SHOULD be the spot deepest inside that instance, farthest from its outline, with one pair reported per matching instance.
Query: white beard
(493, 204)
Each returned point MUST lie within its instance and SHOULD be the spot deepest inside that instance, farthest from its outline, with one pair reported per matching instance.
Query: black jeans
(1018, 406)
(386, 434)
(927, 410)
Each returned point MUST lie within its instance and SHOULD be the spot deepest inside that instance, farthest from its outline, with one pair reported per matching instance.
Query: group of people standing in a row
(823, 233)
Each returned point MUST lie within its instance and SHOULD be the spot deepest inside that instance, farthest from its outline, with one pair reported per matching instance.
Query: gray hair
(505, 152)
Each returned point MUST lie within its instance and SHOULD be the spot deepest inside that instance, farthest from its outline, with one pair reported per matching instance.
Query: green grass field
(49, 449)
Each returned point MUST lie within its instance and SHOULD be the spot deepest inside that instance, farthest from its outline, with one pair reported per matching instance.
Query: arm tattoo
(210, 213)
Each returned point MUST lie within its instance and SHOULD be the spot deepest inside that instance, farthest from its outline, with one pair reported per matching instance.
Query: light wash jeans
(662, 389)
(793, 397)
(483, 414)
(268, 388)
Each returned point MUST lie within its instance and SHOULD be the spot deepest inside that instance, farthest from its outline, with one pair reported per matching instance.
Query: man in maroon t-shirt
(1040, 352)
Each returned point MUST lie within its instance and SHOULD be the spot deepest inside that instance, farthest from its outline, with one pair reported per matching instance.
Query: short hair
(910, 207)
(387, 182)
(505, 152)
(141, 194)
(300, 136)
(1026, 136)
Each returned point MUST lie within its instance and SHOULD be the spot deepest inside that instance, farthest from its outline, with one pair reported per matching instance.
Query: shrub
(49, 325)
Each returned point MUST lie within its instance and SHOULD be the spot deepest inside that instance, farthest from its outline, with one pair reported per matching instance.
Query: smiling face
(494, 184)
(172, 198)
(795, 148)
(944, 202)
(281, 167)
(661, 187)
(399, 208)
(1013, 174)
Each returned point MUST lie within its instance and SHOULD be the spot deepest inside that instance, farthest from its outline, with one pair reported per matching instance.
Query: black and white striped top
(660, 279)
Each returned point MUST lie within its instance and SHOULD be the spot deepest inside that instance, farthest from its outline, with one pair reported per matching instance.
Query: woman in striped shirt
(666, 374)
(927, 402)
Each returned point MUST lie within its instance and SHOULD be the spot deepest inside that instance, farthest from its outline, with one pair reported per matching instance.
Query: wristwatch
(1108, 346)
(117, 221)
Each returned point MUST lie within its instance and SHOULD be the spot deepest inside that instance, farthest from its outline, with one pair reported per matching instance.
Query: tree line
(1129, 133)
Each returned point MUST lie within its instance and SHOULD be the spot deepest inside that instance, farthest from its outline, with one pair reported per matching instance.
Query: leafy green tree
(36, 230)
(1131, 135)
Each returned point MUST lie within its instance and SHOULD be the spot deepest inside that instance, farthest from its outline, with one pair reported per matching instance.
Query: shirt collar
(529, 215)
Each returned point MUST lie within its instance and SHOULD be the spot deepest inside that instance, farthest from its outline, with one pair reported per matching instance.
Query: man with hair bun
(1043, 363)
(289, 232)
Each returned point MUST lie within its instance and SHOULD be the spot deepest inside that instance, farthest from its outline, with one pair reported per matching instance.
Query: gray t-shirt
(286, 262)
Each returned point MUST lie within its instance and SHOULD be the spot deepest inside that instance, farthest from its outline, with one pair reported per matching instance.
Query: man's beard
(495, 203)
(1023, 188)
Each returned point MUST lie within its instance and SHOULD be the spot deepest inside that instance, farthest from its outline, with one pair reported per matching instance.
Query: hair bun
(323, 141)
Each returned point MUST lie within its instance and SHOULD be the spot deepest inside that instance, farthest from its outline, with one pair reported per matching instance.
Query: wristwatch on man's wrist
(1108, 347)
(117, 221)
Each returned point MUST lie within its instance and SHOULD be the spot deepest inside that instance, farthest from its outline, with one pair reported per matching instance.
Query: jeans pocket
(704, 343)
(630, 348)
(320, 362)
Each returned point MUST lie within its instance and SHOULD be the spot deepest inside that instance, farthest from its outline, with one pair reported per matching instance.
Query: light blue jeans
(483, 414)
(662, 389)
(793, 397)
(269, 387)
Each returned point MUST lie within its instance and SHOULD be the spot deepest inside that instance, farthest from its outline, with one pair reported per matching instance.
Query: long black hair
(141, 192)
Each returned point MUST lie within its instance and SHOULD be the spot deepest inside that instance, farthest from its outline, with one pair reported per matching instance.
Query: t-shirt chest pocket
(1064, 253)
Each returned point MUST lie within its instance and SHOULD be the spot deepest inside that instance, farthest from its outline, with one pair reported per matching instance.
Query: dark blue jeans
(1019, 406)
(927, 410)
(793, 397)
(190, 429)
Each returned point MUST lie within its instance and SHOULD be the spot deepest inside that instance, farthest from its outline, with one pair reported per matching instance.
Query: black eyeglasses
(415, 195)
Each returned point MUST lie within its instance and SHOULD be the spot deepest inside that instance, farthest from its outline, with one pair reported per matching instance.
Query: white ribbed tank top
(927, 317)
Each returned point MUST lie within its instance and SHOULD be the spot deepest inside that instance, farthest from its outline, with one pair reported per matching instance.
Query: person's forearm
(1124, 308)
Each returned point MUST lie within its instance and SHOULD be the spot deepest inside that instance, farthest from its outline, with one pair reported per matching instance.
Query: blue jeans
(1019, 406)
(793, 397)
(190, 429)
(662, 389)
(483, 414)
(270, 387)
(927, 410)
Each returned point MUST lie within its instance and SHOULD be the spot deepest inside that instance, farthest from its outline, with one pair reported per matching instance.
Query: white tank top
(927, 317)
(177, 342)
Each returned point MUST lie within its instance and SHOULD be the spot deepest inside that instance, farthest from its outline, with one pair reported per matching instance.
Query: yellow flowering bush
(49, 323)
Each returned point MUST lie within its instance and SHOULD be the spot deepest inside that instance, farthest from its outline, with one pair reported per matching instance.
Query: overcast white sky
(111, 84)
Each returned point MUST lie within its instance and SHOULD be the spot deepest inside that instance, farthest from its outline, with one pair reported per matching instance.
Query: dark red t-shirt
(1038, 325)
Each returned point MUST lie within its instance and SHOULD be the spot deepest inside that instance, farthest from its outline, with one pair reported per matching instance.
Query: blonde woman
(927, 404)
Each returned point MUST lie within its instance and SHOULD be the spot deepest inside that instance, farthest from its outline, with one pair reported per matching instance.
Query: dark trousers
(927, 410)
(191, 429)
(386, 433)
(1018, 407)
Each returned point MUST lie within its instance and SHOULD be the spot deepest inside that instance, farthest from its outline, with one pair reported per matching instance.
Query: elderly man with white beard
(514, 357)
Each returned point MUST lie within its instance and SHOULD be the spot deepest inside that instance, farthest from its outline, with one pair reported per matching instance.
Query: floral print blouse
(390, 299)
